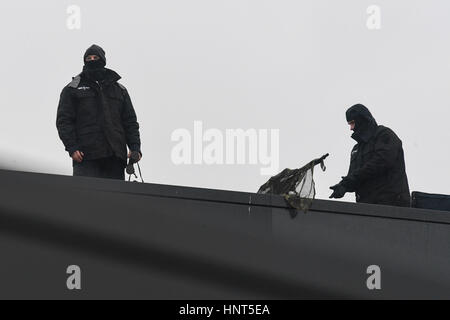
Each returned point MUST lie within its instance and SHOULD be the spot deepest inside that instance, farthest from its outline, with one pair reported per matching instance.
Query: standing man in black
(96, 120)
(377, 167)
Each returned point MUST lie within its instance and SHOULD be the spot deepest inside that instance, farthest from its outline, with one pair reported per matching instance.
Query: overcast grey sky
(290, 65)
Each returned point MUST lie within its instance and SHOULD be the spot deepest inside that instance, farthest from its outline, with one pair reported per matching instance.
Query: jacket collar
(365, 135)
(110, 77)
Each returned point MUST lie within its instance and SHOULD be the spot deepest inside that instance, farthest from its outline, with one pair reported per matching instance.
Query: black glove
(338, 191)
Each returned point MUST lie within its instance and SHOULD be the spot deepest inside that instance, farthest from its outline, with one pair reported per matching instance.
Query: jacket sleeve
(65, 122)
(383, 158)
(347, 181)
(130, 124)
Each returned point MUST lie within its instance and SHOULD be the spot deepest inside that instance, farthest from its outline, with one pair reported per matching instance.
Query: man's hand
(140, 156)
(338, 191)
(78, 156)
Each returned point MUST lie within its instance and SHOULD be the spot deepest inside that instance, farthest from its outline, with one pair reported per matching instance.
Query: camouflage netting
(295, 185)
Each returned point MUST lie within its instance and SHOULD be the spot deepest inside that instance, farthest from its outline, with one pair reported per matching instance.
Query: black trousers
(107, 168)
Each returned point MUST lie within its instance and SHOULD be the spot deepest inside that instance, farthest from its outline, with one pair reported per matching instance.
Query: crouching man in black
(96, 120)
(377, 167)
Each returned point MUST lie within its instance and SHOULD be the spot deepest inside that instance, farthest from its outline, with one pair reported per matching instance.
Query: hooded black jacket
(377, 166)
(97, 118)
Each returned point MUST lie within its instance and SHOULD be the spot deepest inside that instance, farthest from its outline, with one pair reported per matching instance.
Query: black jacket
(377, 168)
(97, 118)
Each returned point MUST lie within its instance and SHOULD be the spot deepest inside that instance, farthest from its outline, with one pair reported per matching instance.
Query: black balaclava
(365, 123)
(95, 69)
